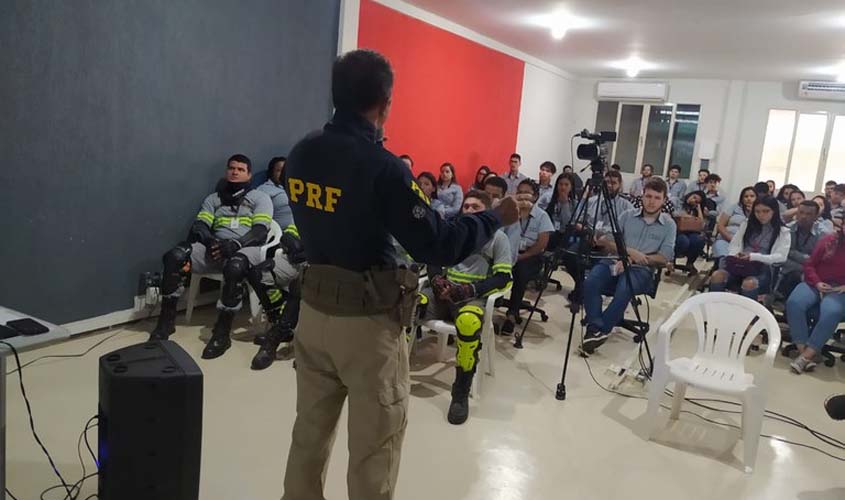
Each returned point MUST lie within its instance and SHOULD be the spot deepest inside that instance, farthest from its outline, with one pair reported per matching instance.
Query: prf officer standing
(349, 195)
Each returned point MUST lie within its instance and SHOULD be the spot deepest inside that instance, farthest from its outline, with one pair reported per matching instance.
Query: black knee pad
(174, 262)
(235, 270)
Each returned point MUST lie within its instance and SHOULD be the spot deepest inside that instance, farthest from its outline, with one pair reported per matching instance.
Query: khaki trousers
(364, 358)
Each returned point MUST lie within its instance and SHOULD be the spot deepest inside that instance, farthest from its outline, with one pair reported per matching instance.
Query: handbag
(689, 224)
(742, 268)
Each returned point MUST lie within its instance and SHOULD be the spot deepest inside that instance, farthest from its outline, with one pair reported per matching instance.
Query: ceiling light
(632, 66)
(559, 23)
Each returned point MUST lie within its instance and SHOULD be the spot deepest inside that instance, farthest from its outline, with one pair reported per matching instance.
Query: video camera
(595, 150)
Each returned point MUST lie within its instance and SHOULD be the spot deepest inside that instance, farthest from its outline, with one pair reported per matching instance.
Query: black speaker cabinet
(150, 428)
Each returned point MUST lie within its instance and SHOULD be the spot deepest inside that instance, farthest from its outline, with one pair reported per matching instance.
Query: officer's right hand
(507, 210)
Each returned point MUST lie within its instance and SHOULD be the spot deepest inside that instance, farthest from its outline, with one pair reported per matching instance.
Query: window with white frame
(805, 149)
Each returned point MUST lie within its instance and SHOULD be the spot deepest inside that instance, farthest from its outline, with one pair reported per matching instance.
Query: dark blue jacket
(349, 194)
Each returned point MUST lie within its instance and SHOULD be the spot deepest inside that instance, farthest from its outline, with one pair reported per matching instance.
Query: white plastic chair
(488, 339)
(274, 236)
(725, 332)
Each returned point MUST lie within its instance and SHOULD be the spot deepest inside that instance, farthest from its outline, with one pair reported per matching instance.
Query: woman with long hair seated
(561, 206)
(730, 220)
(817, 305)
(428, 184)
(760, 242)
(449, 192)
(689, 243)
(480, 176)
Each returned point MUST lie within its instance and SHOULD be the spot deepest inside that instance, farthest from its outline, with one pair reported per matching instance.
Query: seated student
(535, 228)
(762, 189)
(712, 184)
(409, 162)
(731, 219)
(613, 181)
(561, 206)
(819, 299)
(837, 210)
(795, 199)
(782, 196)
(771, 185)
(691, 219)
(701, 183)
(497, 188)
(649, 238)
(579, 183)
(824, 213)
(677, 187)
(638, 184)
(428, 184)
(513, 176)
(828, 189)
(760, 242)
(480, 175)
(449, 192)
(547, 170)
(805, 230)
(458, 293)
(232, 224)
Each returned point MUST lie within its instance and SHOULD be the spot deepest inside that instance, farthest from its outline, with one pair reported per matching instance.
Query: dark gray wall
(116, 119)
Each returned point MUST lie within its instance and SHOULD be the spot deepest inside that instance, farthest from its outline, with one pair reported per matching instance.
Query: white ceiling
(731, 39)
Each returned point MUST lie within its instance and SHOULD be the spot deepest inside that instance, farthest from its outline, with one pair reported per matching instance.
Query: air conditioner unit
(632, 91)
(823, 91)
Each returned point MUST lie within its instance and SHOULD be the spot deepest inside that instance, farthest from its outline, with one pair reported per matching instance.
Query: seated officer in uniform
(226, 236)
(276, 285)
(458, 293)
(649, 236)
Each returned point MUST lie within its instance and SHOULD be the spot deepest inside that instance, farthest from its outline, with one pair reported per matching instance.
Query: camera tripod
(579, 227)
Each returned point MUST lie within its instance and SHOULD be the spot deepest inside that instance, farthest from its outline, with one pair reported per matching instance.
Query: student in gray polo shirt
(513, 176)
(547, 170)
(613, 181)
(650, 242)
(535, 226)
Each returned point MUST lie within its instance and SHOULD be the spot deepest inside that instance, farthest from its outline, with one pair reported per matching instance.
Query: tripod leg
(517, 341)
(560, 394)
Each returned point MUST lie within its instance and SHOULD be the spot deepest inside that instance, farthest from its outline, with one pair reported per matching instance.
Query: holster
(341, 292)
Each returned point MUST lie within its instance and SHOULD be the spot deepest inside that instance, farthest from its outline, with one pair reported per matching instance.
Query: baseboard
(127, 315)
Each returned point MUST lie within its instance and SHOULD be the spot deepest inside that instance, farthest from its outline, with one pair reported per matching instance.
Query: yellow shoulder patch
(415, 188)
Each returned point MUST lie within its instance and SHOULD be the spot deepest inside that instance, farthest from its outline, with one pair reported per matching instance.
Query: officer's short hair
(811, 204)
(407, 157)
(497, 182)
(713, 178)
(361, 80)
(675, 167)
(549, 165)
(517, 157)
(829, 183)
(481, 196)
(240, 159)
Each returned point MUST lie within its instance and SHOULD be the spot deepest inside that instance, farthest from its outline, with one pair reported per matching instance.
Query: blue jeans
(804, 307)
(721, 247)
(689, 245)
(600, 281)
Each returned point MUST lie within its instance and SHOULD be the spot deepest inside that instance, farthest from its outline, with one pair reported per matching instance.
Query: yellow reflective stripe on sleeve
(206, 217)
(261, 218)
(245, 221)
(502, 268)
(292, 230)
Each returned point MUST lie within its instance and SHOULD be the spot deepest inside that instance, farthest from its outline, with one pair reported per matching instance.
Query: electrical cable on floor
(774, 438)
(77, 486)
(31, 420)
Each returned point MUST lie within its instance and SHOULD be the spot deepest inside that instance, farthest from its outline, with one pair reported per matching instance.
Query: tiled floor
(520, 443)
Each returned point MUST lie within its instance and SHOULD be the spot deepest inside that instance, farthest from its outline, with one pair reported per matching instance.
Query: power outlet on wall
(149, 291)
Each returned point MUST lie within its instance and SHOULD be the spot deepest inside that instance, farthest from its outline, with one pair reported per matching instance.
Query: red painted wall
(453, 100)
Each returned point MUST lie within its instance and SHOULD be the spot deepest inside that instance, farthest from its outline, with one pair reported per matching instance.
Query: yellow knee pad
(469, 322)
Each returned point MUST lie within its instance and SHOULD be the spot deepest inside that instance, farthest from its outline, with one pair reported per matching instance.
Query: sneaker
(593, 339)
(801, 364)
